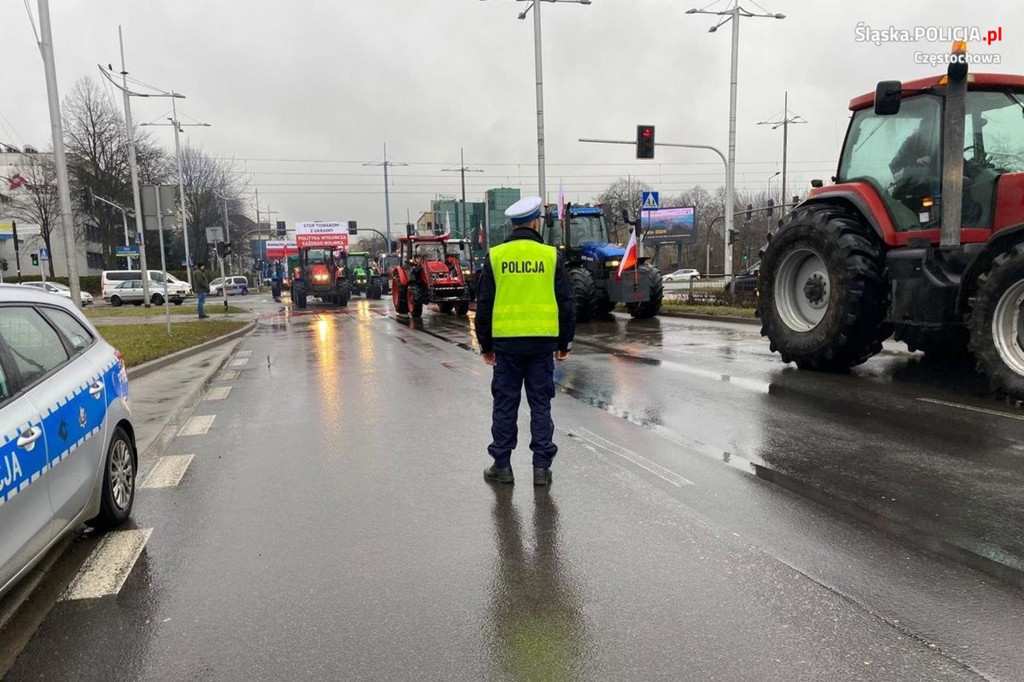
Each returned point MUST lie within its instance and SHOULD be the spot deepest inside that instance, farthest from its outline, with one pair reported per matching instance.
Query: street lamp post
(539, 70)
(784, 124)
(734, 14)
(178, 125)
(387, 196)
(770, 177)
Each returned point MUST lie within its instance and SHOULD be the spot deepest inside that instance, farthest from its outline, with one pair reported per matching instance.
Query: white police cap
(524, 210)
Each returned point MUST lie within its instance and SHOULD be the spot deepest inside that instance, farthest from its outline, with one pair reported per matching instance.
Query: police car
(67, 445)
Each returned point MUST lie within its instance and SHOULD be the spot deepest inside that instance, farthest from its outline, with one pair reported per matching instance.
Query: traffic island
(141, 344)
(710, 312)
(158, 311)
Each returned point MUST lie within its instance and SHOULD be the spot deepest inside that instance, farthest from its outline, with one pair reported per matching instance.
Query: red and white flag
(16, 181)
(629, 259)
(447, 225)
(481, 237)
(561, 200)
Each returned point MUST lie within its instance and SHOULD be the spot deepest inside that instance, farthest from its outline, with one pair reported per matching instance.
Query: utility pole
(57, 131)
(387, 196)
(787, 119)
(734, 14)
(462, 170)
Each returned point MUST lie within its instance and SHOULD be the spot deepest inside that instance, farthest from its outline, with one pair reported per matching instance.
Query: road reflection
(538, 631)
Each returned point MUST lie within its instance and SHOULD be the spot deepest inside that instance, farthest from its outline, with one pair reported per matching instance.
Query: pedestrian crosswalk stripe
(198, 425)
(239, 362)
(107, 569)
(168, 471)
(230, 375)
(218, 393)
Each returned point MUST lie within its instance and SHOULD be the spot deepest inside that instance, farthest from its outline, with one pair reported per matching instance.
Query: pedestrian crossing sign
(649, 201)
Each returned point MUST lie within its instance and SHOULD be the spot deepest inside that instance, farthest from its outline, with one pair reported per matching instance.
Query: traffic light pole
(124, 219)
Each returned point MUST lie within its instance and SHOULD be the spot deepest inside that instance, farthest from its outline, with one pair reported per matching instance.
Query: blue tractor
(593, 262)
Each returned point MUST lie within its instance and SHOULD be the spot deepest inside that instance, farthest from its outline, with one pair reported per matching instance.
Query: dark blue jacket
(525, 345)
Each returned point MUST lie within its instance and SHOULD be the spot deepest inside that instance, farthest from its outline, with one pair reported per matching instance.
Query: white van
(111, 278)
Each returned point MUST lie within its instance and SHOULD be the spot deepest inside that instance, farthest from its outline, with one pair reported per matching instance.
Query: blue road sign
(44, 254)
(650, 201)
(126, 251)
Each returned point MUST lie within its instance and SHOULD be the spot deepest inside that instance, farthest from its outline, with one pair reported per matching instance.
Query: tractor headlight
(613, 264)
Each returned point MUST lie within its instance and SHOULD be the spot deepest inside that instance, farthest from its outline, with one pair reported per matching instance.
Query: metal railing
(738, 289)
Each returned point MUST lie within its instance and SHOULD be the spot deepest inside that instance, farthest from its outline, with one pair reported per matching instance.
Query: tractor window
(318, 256)
(899, 155)
(582, 228)
(993, 145)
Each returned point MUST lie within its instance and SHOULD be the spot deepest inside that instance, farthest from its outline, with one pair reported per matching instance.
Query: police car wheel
(117, 495)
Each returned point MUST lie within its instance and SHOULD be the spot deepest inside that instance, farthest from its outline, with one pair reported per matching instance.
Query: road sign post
(44, 257)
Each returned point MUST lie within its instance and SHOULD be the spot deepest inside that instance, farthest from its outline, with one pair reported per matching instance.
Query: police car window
(33, 344)
(73, 330)
(5, 390)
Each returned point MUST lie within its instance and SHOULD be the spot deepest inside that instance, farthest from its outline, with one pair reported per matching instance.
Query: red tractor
(921, 236)
(429, 272)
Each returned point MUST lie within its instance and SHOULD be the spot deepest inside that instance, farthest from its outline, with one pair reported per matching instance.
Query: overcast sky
(302, 92)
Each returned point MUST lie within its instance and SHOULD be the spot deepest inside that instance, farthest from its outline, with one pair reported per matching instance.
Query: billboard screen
(670, 224)
(322, 233)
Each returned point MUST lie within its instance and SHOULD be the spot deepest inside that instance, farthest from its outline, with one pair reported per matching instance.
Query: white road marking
(230, 375)
(218, 393)
(995, 413)
(639, 460)
(198, 425)
(110, 564)
(749, 384)
(168, 471)
(243, 353)
(239, 362)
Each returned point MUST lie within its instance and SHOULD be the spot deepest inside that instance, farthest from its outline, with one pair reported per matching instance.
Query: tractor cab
(362, 275)
(429, 272)
(896, 147)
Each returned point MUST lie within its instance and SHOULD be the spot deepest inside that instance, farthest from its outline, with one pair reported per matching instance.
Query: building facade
(451, 210)
(498, 200)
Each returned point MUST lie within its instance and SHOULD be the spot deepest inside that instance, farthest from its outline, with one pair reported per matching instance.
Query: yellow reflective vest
(524, 283)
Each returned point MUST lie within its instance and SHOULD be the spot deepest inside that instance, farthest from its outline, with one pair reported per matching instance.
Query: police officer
(525, 318)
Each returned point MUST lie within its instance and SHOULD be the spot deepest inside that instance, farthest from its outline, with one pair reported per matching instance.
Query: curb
(153, 365)
(718, 318)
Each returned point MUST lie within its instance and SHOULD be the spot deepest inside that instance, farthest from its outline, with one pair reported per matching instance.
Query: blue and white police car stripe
(20, 468)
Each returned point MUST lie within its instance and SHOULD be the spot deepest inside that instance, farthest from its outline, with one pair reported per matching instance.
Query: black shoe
(542, 476)
(496, 475)
(203, 317)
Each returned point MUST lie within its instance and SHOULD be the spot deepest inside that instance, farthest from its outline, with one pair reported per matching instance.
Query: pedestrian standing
(525, 319)
(202, 287)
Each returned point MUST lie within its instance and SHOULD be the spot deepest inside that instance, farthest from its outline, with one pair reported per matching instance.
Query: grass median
(140, 311)
(709, 310)
(141, 343)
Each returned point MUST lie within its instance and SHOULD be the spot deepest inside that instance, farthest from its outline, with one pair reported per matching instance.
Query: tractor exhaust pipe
(953, 149)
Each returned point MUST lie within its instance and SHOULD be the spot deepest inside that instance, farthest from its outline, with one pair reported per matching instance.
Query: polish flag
(447, 225)
(561, 200)
(629, 259)
(481, 238)
(16, 181)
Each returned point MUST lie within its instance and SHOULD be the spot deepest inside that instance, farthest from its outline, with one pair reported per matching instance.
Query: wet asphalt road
(333, 523)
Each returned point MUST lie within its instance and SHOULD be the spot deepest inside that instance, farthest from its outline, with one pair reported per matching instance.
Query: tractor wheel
(605, 305)
(947, 344)
(341, 298)
(461, 308)
(823, 292)
(996, 324)
(300, 298)
(415, 308)
(447, 307)
(648, 309)
(398, 297)
(374, 291)
(583, 291)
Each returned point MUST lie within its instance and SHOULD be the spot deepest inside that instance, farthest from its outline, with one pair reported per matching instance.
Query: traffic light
(352, 229)
(282, 229)
(35, 259)
(88, 200)
(645, 142)
(223, 249)
(731, 238)
(750, 212)
(770, 211)
(3, 264)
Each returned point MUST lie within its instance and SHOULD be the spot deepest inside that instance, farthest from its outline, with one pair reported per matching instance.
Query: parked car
(111, 278)
(746, 281)
(63, 398)
(684, 275)
(236, 284)
(59, 289)
(130, 291)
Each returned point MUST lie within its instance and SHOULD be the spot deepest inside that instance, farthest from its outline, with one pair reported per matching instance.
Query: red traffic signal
(644, 142)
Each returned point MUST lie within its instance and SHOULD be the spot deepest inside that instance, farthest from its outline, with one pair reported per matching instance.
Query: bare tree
(373, 244)
(206, 180)
(97, 148)
(623, 194)
(38, 201)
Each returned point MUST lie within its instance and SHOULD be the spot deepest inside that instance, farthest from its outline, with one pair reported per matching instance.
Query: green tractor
(363, 277)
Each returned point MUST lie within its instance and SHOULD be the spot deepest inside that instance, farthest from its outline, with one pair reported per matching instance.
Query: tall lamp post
(178, 128)
(539, 68)
(770, 178)
(787, 119)
(387, 196)
(734, 14)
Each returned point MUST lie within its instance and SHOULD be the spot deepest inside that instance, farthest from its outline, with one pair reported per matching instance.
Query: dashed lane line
(239, 362)
(982, 410)
(168, 471)
(230, 375)
(197, 425)
(110, 564)
(243, 353)
(218, 393)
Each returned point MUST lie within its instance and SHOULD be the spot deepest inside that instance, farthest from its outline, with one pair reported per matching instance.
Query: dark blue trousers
(511, 373)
